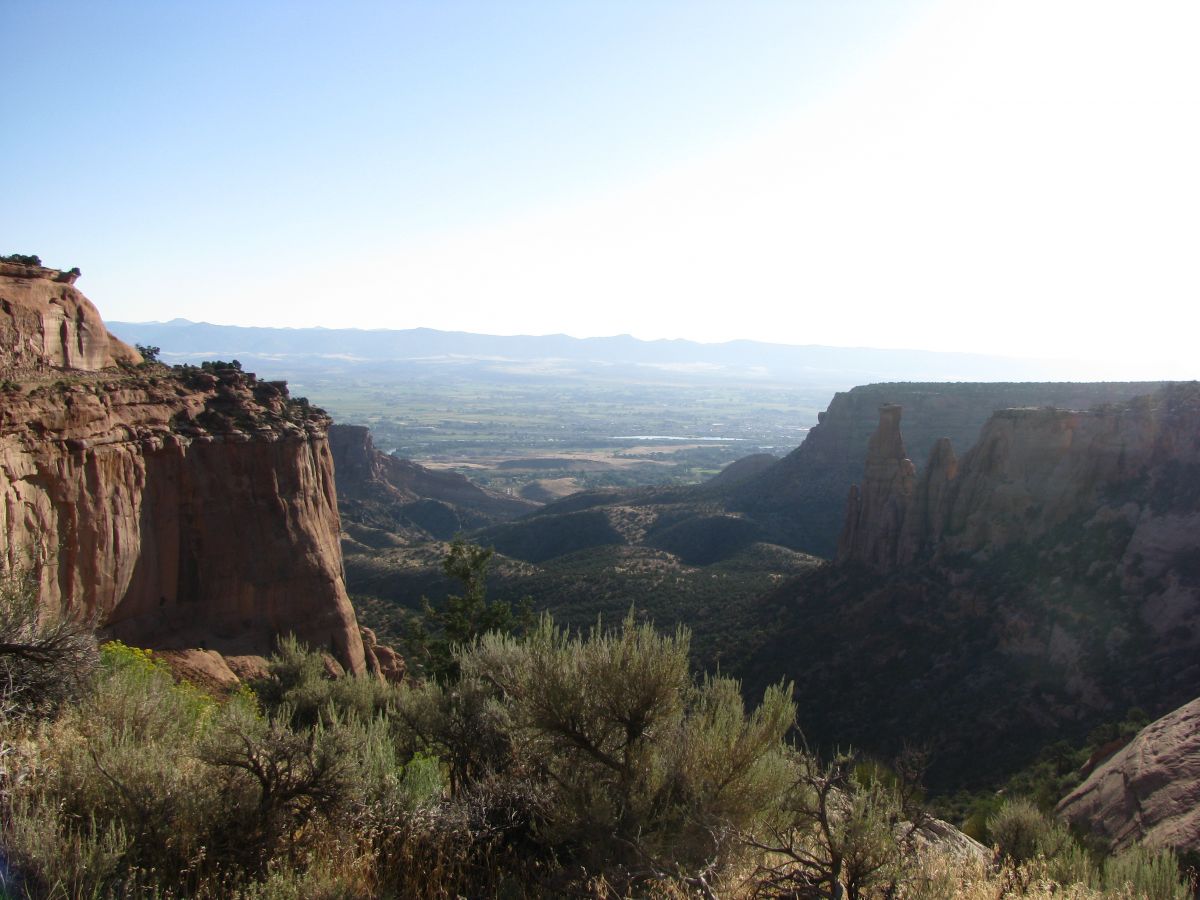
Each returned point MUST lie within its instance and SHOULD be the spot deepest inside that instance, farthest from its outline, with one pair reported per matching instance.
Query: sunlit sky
(1018, 176)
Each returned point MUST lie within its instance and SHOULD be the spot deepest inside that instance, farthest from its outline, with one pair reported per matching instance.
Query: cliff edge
(46, 323)
(178, 509)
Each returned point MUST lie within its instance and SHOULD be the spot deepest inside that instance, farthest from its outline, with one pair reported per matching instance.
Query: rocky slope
(1045, 581)
(385, 491)
(178, 509)
(1149, 792)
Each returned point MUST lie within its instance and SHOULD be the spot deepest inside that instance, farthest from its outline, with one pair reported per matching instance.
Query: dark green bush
(46, 657)
(22, 259)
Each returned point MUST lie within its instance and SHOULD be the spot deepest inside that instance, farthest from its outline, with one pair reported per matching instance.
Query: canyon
(1041, 583)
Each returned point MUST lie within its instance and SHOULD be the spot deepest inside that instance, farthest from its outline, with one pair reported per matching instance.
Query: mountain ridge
(180, 340)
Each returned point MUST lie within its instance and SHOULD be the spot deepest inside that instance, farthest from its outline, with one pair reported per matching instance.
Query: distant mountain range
(280, 350)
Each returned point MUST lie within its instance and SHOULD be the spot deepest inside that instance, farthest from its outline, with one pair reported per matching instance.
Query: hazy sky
(1014, 176)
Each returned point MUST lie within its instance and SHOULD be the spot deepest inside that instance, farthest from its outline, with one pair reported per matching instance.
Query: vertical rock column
(876, 511)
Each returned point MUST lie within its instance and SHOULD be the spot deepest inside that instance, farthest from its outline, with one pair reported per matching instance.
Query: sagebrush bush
(300, 686)
(642, 764)
(1144, 872)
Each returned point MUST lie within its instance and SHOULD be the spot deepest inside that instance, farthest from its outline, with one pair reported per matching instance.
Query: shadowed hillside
(1044, 582)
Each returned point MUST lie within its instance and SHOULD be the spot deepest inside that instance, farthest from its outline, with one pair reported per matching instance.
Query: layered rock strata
(45, 323)
(1030, 471)
(175, 509)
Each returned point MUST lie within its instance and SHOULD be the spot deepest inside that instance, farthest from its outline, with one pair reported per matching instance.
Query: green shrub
(641, 765)
(299, 686)
(1020, 831)
(1146, 873)
(839, 827)
(465, 725)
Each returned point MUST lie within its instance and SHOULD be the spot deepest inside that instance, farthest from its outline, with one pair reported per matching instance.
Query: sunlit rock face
(45, 322)
(177, 511)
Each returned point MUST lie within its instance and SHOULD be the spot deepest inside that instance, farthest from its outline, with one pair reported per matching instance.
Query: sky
(1017, 177)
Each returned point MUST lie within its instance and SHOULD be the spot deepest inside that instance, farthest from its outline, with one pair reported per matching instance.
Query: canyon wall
(1031, 471)
(801, 500)
(988, 604)
(176, 509)
(386, 491)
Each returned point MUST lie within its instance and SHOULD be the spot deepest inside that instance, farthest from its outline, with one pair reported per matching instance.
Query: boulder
(1148, 792)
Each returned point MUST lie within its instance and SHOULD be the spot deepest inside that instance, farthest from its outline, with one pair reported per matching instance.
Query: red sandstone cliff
(45, 322)
(180, 510)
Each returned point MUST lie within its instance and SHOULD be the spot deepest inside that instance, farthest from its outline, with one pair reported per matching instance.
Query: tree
(149, 353)
(464, 617)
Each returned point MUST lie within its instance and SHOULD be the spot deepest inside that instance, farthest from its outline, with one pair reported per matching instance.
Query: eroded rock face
(177, 511)
(876, 512)
(382, 660)
(1149, 792)
(45, 322)
(801, 499)
(1030, 471)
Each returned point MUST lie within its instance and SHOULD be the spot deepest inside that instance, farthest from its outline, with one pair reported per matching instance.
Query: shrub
(839, 828)
(274, 781)
(300, 688)
(1021, 832)
(647, 772)
(1146, 873)
(465, 725)
(46, 657)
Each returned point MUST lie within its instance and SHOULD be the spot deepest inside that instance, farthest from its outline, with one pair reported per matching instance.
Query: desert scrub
(151, 786)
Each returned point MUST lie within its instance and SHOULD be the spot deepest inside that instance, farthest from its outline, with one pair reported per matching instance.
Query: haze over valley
(661, 450)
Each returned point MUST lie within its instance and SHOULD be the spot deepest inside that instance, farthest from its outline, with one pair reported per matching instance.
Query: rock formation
(876, 512)
(387, 491)
(45, 323)
(176, 509)
(801, 500)
(1039, 585)
(1149, 792)
(1031, 471)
